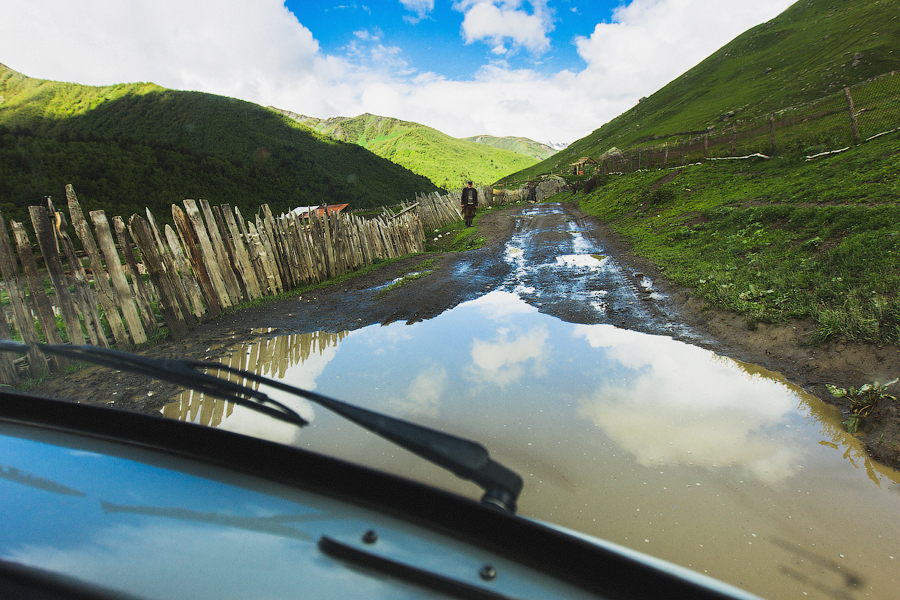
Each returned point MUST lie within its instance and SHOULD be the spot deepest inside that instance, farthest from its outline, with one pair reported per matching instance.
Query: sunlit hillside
(445, 160)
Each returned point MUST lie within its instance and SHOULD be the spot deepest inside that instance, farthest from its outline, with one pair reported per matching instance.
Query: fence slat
(175, 311)
(186, 274)
(210, 257)
(21, 311)
(105, 296)
(141, 293)
(43, 230)
(42, 306)
(223, 253)
(188, 240)
(248, 274)
(123, 294)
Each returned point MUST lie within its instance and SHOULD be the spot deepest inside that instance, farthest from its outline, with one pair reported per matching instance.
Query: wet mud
(515, 238)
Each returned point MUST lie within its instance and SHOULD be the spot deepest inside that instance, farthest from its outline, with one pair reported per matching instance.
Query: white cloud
(421, 8)
(496, 21)
(650, 42)
(258, 51)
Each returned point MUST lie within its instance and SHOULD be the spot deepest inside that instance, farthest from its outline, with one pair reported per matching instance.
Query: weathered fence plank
(187, 277)
(210, 257)
(188, 237)
(43, 230)
(141, 293)
(21, 311)
(248, 273)
(174, 307)
(123, 295)
(41, 303)
(224, 255)
(105, 295)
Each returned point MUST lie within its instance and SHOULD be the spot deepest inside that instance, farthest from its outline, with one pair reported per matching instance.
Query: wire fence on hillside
(831, 124)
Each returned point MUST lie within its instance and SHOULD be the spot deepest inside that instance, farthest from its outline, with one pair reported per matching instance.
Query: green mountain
(813, 49)
(447, 161)
(520, 145)
(129, 146)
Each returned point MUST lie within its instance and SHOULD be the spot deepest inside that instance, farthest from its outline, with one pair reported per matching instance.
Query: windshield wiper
(465, 458)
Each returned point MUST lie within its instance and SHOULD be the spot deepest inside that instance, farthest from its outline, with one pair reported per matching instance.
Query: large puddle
(640, 439)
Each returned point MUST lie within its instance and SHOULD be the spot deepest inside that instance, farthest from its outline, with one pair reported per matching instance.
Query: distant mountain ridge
(812, 49)
(516, 144)
(447, 161)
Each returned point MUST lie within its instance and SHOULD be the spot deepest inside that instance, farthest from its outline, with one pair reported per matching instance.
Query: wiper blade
(465, 458)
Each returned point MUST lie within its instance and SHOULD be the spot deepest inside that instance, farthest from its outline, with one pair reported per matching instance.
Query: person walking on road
(469, 203)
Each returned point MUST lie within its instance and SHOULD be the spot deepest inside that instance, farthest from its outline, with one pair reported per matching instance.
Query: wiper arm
(465, 458)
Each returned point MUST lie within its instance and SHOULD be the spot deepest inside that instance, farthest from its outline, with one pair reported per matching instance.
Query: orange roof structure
(305, 212)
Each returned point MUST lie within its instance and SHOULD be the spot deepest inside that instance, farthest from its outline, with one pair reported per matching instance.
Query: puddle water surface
(640, 439)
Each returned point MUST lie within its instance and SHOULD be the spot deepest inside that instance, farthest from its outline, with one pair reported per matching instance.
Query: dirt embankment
(352, 304)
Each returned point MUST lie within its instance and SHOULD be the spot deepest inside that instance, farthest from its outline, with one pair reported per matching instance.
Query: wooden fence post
(141, 294)
(188, 240)
(174, 309)
(42, 306)
(189, 276)
(43, 230)
(124, 295)
(210, 256)
(37, 363)
(105, 296)
(223, 253)
(247, 271)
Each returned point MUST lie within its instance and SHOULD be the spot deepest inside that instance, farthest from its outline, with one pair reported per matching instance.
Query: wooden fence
(213, 259)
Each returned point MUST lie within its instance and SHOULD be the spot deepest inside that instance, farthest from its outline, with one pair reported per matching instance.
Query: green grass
(774, 239)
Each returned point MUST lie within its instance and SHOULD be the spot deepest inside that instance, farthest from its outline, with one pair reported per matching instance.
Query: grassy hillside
(812, 50)
(774, 239)
(447, 161)
(128, 146)
(519, 145)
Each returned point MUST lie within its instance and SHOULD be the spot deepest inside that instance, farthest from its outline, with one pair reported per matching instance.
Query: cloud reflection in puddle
(682, 404)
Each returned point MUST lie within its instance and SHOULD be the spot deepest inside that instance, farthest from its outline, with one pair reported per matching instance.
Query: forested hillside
(130, 146)
(447, 161)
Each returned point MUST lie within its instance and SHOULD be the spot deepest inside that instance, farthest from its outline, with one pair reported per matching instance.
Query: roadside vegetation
(455, 237)
(774, 239)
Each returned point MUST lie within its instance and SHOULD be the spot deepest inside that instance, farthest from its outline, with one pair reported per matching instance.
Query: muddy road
(555, 258)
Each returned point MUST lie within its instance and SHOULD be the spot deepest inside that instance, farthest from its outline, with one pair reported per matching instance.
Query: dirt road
(534, 250)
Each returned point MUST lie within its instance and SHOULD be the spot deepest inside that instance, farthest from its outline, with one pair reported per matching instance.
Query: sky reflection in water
(639, 439)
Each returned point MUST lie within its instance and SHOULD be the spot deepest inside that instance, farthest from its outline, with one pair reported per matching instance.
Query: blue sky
(550, 70)
(435, 40)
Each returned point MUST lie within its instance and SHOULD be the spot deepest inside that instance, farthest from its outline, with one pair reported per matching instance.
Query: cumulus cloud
(257, 50)
(498, 21)
(421, 8)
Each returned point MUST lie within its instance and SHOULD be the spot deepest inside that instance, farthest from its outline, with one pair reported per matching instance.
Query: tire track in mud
(562, 268)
